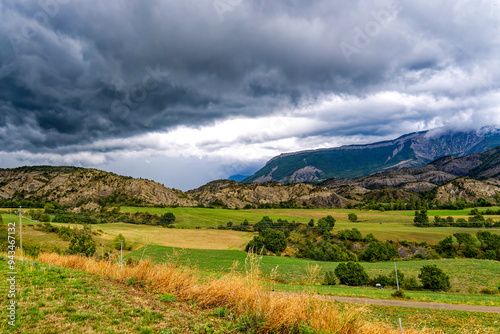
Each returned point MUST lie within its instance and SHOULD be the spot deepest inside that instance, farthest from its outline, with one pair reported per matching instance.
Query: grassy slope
(467, 275)
(59, 300)
(55, 300)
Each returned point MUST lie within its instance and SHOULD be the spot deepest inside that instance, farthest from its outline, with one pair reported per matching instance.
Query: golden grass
(173, 237)
(275, 312)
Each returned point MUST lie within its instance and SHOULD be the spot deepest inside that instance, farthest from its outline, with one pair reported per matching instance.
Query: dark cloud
(74, 74)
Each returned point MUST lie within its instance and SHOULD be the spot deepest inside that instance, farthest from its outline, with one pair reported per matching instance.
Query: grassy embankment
(468, 276)
(103, 298)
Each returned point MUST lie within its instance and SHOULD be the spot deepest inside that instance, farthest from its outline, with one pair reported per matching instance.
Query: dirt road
(405, 303)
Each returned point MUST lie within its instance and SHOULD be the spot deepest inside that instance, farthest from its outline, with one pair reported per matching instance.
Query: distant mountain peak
(350, 161)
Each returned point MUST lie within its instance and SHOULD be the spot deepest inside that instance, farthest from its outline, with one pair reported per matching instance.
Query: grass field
(59, 300)
(467, 275)
(54, 299)
(450, 322)
(389, 225)
(183, 238)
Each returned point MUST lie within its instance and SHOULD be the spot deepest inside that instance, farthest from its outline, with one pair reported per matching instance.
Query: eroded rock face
(467, 189)
(235, 194)
(69, 186)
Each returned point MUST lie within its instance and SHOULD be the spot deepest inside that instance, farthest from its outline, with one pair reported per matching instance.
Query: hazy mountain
(411, 150)
(237, 178)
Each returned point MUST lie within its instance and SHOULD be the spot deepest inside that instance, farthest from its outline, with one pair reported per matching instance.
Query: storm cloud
(230, 83)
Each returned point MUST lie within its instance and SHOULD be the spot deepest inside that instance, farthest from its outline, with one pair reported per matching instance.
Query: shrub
(399, 294)
(274, 241)
(351, 273)
(82, 244)
(352, 217)
(433, 278)
(330, 278)
(486, 291)
(117, 241)
(411, 283)
(379, 251)
(256, 245)
(167, 218)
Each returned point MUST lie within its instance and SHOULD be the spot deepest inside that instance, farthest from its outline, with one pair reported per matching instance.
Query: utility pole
(397, 283)
(20, 211)
(396, 270)
(121, 252)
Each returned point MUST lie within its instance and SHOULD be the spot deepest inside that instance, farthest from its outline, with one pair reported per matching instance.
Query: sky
(185, 92)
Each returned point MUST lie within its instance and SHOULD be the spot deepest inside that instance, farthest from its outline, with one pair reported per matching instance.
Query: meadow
(52, 298)
(468, 276)
(388, 225)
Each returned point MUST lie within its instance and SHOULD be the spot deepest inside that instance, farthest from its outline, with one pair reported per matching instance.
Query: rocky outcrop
(234, 194)
(79, 186)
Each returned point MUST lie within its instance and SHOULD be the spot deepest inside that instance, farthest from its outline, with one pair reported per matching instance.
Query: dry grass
(283, 313)
(173, 237)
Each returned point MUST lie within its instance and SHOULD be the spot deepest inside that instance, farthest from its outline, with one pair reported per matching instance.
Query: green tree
(352, 217)
(445, 247)
(465, 239)
(311, 223)
(379, 251)
(330, 278)
(256, 245)
(326, 223)
(274, 240)
(421, 217)
(351, 273)
(117, 241)
(433, 278)
(167, 218)
(82, 244)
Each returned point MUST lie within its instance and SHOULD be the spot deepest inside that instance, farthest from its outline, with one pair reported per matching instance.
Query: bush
(167, 218)
(352, 217)
(486, 291)
(399, 294)
(82, 244)
(330, 278)
(274, 241)
(351, 273)
(117, 242)
(379, 251)
(256, 245)
(411, 283)
(433, 278)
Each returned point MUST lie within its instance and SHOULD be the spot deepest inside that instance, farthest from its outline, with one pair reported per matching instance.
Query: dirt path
(404, 303)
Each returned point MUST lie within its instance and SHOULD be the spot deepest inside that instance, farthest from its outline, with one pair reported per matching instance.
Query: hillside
(73, 186)
(444, 175)
(411, 150)
(233, 194)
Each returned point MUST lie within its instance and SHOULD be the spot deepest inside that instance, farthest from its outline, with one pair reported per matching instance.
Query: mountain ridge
(350, 161)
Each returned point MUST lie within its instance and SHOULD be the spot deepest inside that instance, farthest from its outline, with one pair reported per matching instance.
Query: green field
(389, 225)
(53, 299)
(468, 276)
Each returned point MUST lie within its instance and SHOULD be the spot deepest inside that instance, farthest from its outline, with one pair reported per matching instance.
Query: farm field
(467, 275)
(183, 238)
(389, 225)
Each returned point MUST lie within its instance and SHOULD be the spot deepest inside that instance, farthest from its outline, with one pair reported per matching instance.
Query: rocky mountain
(411, 150)
(234, 194)
(73, 186)
(470, 177)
